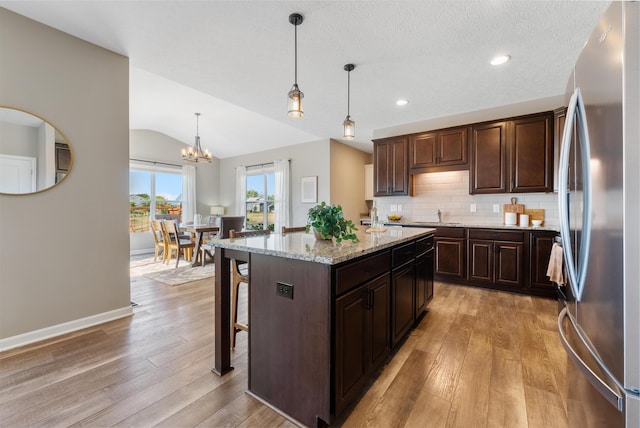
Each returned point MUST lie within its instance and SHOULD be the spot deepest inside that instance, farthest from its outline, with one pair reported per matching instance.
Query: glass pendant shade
(294, 103)
(349, 128)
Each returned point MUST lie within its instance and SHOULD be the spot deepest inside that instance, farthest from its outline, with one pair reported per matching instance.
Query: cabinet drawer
(356, 273)
(450, 232)
(403, 253)
(497, 235)
(424, 244)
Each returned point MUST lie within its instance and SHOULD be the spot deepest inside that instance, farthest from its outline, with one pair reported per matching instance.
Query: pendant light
(195, 153)
(348, 124)
(295, 95)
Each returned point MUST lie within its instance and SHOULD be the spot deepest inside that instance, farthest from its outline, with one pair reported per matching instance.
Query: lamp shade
(217, 210)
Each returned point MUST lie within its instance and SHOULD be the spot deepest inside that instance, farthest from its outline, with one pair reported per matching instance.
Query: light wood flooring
(479, 358)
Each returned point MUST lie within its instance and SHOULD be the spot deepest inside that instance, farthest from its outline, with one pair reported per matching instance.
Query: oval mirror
(34, 155)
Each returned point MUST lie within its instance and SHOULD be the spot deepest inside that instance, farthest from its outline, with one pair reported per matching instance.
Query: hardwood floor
(479, 358)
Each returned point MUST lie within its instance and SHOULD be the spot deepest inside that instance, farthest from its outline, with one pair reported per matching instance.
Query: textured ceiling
(232, 61)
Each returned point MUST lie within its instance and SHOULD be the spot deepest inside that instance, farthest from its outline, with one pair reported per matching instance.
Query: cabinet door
(424, 281)
(379, 344)
(540, 244)
(449, 257)
(391, 169)
(422, 150)
(452, 147)
(351, 334)
(488, 172)
(481, 253)
(402, 301)
(531, 146)
(509, 263)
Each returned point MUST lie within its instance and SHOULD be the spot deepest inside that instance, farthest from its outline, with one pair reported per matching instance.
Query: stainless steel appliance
(599, 204)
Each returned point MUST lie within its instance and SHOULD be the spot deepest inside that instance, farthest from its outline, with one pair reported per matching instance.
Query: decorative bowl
(536, 223)
(394, 217)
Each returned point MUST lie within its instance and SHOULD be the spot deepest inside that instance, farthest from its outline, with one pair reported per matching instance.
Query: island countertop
(304, 246)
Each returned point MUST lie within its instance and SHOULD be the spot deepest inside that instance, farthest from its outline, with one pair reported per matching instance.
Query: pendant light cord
(295, 48)
(348, 92)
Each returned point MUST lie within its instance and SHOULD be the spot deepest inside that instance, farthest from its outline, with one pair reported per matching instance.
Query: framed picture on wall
(309, 186)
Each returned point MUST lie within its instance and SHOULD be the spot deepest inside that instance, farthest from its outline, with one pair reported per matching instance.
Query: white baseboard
(60, 329)
(142, 251)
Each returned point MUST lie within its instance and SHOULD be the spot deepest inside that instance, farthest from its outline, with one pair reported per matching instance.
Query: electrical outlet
(393, 208)
(399, 208)
(284, 290)
(473, 208)
(496, 208)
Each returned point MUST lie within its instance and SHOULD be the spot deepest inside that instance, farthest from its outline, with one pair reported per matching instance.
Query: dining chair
(158, 238)
(286, 229)
(174, 242)
(237, 277)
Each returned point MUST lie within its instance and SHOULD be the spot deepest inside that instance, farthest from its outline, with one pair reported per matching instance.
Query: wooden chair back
(174, 242)
(158, 238)
(233, 234)
(286, 229)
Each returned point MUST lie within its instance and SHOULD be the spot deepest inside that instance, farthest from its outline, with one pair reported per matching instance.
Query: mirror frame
(56, 143)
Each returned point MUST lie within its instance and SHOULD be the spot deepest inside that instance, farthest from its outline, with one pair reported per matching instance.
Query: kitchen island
(323, 316)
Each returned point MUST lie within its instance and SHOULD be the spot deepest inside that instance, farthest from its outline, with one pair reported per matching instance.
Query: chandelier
(195, 153)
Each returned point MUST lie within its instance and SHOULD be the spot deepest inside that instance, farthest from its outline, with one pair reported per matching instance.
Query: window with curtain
(264, 198)
(155, 191)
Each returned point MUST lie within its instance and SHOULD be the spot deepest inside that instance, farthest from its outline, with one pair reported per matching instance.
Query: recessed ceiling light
(500, 59)
(402, 102)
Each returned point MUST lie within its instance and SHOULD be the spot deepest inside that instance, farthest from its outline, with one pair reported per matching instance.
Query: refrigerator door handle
(576, 112)
(609, 394)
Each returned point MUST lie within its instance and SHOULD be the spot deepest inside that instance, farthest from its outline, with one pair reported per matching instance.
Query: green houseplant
(328, 222)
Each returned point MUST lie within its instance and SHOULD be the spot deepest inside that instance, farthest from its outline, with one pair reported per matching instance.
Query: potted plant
(328, 222)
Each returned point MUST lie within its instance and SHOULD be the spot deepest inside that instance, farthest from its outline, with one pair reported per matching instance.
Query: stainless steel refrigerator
(599, 207)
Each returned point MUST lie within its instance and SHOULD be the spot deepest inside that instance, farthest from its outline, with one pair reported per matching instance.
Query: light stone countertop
(409, 223)
(304, 246)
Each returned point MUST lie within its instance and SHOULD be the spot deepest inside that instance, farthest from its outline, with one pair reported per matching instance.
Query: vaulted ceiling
(233, 61)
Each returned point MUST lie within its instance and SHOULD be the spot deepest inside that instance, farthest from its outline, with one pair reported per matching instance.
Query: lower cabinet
(424, 281)
(540, 245)
(450, 253)
(362, 339)
(402, 301)
(496, 258)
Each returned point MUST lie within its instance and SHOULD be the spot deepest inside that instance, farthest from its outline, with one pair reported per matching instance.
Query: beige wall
(347, 179)
(155, 146)
(64, 253)
(306, 160)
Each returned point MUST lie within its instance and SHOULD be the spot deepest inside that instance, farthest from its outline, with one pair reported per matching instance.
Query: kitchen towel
(555, 270)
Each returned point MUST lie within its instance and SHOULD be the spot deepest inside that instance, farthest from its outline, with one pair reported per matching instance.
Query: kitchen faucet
(439, 216)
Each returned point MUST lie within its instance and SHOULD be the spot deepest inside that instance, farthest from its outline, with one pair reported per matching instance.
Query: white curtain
(281, 203)
(241, 190)
(188, 193)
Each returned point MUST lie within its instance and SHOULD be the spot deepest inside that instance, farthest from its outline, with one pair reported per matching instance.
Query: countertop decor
(328, 222)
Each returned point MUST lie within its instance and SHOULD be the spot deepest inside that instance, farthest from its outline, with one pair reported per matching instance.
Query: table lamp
(217, 211)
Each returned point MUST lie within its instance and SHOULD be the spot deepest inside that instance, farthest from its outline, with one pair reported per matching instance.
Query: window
(154, 192)
(260, 202)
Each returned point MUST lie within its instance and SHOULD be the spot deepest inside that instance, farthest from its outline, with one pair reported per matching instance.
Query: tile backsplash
(449, 192)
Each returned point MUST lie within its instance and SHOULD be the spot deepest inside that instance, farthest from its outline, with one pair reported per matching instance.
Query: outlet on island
(284, 290)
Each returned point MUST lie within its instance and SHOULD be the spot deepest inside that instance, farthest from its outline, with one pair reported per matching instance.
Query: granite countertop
(409, 223)
(304, 246)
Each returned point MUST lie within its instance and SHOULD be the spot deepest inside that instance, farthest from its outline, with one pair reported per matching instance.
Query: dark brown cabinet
(512, 155)
(391, 170)
(496, 258)
(424, 275)
(540, 244)
(450, 253)
(532, 154)
(362, 342)
(442, 150)
(488, 169)
(402, 301)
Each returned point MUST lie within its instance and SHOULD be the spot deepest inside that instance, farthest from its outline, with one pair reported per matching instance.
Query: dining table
(198, 230)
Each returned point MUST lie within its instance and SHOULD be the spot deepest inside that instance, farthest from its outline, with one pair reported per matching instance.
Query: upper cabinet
(442, 150)
(391, 172)
(513, 155)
